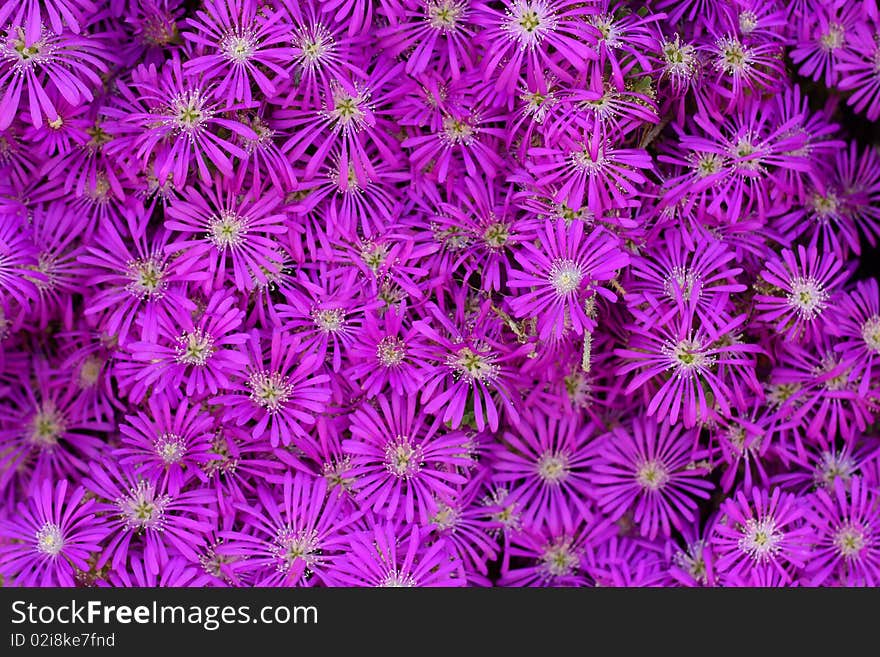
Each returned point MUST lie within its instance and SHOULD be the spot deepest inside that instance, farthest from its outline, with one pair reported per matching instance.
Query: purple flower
(238, 43)
(294, 536)
(554, 559)
(167, 446)
(545, 465)
(223, 230)
(653, 471)
(470, 370)
(846, 525)
(802, 284)
(51, 537)
(142, 512)
(528, 36)
(34, 58)
(858, 71)
(760, 534)
(563, 276)
(282, 392)
(388, 555)
(682, 359)
(175, 119)
(403, 462)
(193, 352)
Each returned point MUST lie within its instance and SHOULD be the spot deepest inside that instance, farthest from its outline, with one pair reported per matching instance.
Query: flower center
(316, 46)
(733, 56)
(348, 112)
(337, 474)
(50, 540)
(446, 517)
(402, 458)
(90, 371)
(270, 390)
(708, 164)
(194, 347)
(748, 21)
(147, 278)
(831, 466)
(685, 279)
(558, 560)
(170, 447)
(871, 333)
(457, 131)
(583, 161)
(565, 276)
(834, 38)
(849, 541)
(374, 255)
(46, 426)
(553, 467)
(825, 206)
(496, 235)
(290, 545)
(26, 56)
(142, 508)
(189, 112)
(391, 351)
(680, 58)
(761, 539)
(529, 22)
(329, 320)
(398, 579)
(688, 357)
(808, 297)
(691, 561)
(238, 47)
(472, 365)
(652, 475)
(444, 15)
(227, 230)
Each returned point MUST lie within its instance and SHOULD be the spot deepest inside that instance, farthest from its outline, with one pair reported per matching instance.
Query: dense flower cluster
(439, 292)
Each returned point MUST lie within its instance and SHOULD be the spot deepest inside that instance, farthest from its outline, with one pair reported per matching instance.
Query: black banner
(139, 621)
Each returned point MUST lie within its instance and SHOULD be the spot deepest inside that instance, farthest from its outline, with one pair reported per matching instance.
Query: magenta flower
(651, 470)
(563, 276)
(435, 33)
(238, 44)
(282, 392)
(760, 534)
(195, 353)
(142, 512)
(385, 352)
(388, 555)
(545, 464)
(34, 59)
(681, 273)
(802, 285)
(167, 445)
(529, 36)
(470, 372)
(224, 230)
(132, 279)
(401, 461)
(684, 362)
(51, 537)
(858, 71)
(589, 171)
(294, 536)
(857, 323)
(177, 120)
(554, 559)
(846, 522)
